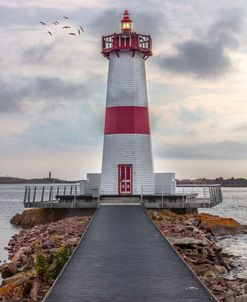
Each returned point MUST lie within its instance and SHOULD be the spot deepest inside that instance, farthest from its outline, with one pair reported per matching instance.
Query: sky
(53, 87)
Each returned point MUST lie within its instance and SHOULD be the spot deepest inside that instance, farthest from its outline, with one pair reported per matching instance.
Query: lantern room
(127, 40)
(126, 23)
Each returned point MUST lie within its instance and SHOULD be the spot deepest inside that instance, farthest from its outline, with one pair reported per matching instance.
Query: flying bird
(79, 32)
(72, 34)
(66, 17)
(55, 22)
(81, 28)
(49, 32)
(66, 26)
(43, 23)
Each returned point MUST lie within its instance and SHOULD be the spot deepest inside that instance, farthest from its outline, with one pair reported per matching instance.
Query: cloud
(64, 131)
(223, 150)
(207, 56)
(145, 22)
(240, 128)
(199, 59)
(13, 95)
(11, 16)
(37, 54)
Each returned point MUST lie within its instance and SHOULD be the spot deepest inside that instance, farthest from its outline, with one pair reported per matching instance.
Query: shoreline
(194, 236)
(35, 252)
(37, 255)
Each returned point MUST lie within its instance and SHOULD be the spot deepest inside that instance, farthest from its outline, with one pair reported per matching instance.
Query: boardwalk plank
(123, 257)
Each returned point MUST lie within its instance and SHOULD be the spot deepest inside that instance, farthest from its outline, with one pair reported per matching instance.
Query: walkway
(123, 257)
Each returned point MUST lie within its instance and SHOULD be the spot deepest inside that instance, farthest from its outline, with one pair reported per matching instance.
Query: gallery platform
(186, 197)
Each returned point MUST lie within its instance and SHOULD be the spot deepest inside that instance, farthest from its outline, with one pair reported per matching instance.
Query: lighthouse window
(126, 25)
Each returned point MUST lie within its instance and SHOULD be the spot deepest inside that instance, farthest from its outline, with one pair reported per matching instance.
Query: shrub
(42, 267)
(60, 259)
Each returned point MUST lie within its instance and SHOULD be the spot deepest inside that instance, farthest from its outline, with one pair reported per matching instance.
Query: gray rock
(242, 298)
(35, 291)
(189, 241)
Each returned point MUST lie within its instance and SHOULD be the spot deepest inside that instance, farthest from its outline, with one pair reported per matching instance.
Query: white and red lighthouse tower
(127, 167)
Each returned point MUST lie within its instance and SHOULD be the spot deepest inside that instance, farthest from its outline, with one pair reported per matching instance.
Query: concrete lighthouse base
(162, 184)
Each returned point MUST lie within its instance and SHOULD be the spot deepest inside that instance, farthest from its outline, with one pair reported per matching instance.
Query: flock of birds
(56, 23)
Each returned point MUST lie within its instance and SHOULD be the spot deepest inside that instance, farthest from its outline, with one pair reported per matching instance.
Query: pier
(69, 196)
(124, 257)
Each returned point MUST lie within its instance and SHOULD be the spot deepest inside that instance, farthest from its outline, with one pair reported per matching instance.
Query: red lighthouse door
(125, 179)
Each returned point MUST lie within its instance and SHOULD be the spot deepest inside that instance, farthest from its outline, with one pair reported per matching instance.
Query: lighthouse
(127, 166)
(127, 162)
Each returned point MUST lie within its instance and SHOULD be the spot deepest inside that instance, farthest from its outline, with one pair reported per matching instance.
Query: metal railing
(210, 194)
(48, 193)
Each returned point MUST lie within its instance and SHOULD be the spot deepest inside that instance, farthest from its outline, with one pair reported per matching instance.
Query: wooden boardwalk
(123, 257)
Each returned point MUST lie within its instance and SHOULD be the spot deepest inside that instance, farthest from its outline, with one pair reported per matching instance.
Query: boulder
(13, 279)
(8, 270)
(242, 298)
(181, 241)
(220, 226)
(33, 217)
(21, 251)
(35, 291)
(230, 296)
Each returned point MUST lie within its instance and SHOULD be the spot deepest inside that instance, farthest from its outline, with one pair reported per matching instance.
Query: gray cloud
(13, 95)
(11, 16)
(207, 56)
(199, 59)
(37, 54)
(224, 150)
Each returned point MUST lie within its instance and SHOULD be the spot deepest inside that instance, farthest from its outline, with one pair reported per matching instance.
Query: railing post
(34, 194)
(25, 195)
(50, 195)
(29, 194)
(42, 194)
(64, 190)
(141, 194)
(162, 198)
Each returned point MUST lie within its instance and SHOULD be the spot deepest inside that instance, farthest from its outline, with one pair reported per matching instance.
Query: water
(234, 206)
(11, 197)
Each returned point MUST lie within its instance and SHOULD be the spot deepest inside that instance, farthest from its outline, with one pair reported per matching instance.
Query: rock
(72, 242)
(35, 291)
(8, 270)
(21, 280)
(230, 296)
(242, 298)
(221, 269)
(21, 253)
(47, 244)
(220, 226)
(13, 278)
(188, 241)
(33, 217)
(209, 274)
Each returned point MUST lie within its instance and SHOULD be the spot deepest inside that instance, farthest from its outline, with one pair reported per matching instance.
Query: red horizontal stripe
(127, 120)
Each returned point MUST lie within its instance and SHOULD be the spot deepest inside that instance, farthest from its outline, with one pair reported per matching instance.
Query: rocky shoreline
(194, 237)
(38, 253)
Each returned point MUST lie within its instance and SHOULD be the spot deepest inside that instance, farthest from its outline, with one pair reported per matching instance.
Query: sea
(234, 206)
